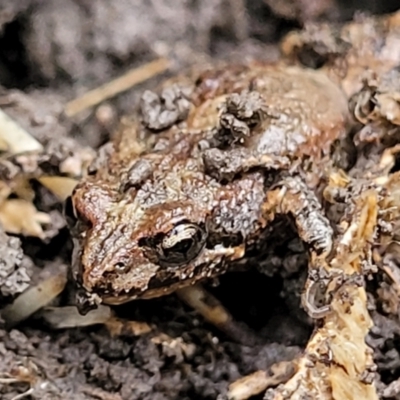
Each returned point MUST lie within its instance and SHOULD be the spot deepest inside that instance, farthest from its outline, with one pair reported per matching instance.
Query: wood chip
(61, 186)
(17, 139)
(69, 317)
(34, 299)
(259, 381)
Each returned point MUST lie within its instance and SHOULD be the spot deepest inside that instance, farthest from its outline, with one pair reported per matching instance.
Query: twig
(101, 394)
(259, 381)
(22, 395)
(7, 381)
(34, 299)
(215, 313)
(116, 86)
(69, 317)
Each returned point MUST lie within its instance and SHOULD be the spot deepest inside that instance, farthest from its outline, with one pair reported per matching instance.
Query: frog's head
(148, 241)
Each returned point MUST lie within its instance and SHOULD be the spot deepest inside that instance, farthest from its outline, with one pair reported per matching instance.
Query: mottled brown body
(193, 180)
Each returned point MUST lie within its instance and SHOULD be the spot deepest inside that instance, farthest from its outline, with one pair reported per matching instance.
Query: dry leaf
(15, 137)
(61, 186)
(20, 217)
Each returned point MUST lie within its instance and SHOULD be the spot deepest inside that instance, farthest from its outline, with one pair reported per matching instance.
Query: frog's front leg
(292, 196)
(226, 164)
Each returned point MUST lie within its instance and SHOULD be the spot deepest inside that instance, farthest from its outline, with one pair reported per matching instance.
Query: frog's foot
(292, 196)
(226, 164)
(216, 314)
(310, 301)
(322, 282)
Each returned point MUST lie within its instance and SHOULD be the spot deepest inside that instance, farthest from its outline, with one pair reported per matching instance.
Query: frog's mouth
(87, 299)
(160, 285)
(148, 294)
(163, 282)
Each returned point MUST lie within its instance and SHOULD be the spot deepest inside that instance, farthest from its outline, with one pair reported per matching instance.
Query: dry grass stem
(34, 299)
(116, 86)
(69, 317)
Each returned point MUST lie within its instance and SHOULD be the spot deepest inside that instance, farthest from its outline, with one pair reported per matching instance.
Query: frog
(194, 178)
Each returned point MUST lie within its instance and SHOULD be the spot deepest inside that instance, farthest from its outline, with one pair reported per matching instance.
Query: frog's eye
(121, 267)
(181, 244)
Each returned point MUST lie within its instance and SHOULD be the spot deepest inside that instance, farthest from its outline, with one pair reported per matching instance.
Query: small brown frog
(194, 179)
